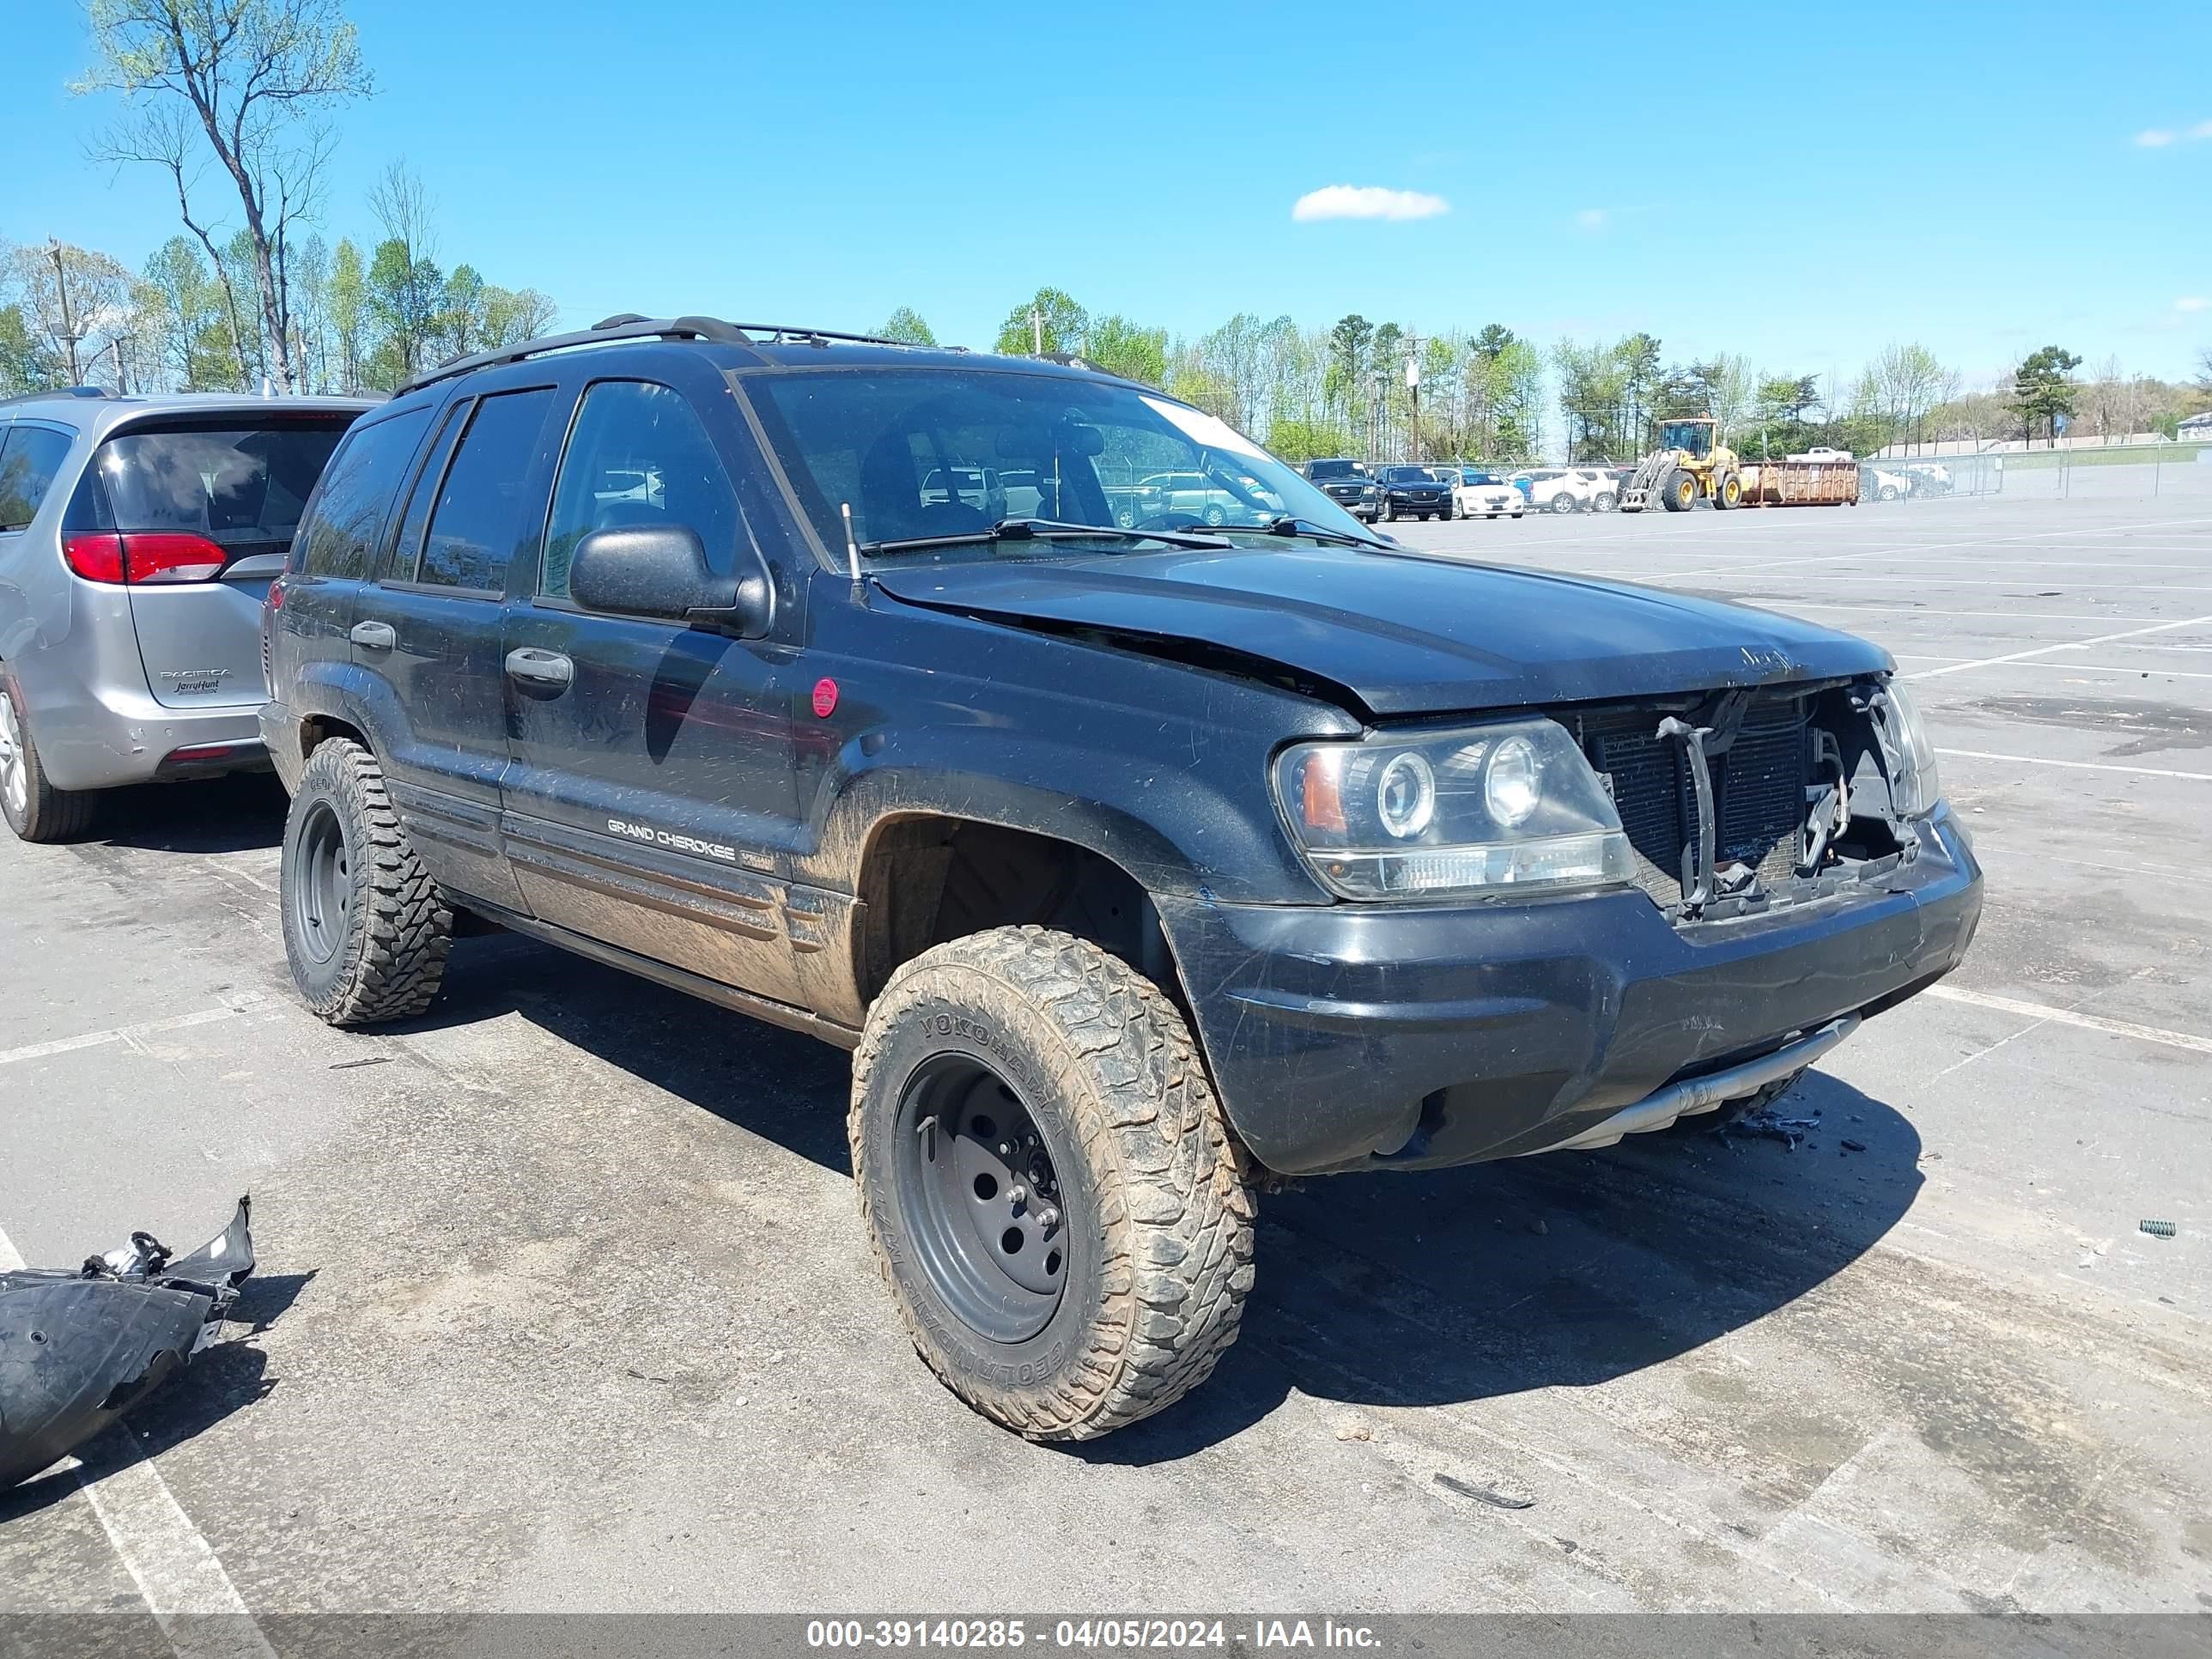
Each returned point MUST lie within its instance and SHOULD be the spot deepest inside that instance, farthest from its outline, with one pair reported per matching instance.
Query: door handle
(373, 636)
(547, 669)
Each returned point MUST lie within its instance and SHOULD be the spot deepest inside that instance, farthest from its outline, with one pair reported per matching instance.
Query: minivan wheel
(34, 809)
(366, 929)
(1051, 1190)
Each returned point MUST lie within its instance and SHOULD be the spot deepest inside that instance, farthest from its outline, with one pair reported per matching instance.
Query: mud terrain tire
(1153, 1193)
(366, 929)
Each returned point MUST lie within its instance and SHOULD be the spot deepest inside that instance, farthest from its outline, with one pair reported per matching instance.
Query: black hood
(1404, 632)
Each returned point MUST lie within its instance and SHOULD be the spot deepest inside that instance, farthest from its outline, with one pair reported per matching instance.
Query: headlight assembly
(1510, 806)
(1907, 752)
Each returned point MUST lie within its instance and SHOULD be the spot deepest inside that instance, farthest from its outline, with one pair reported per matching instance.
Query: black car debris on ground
(1140, 866)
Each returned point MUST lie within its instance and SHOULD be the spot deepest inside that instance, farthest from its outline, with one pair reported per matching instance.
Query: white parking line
(120, 1034)
(2126, 1028)
(171, 1561)
(2072, 667)
(2065, 645)
(1924, 612)
(2077, 765)
(1903, 548)
(1984, 581)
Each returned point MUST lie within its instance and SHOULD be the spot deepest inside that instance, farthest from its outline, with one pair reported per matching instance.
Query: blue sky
(1819, 182)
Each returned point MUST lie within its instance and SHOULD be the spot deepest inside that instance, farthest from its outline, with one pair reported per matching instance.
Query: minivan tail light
(96, 557)
(171, 556)
(155, 555)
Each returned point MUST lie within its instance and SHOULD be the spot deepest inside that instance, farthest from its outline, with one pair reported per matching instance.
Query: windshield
(1695, 437)
(1474, 477)
(1413, 475)
(882, 441)
(1318, 470)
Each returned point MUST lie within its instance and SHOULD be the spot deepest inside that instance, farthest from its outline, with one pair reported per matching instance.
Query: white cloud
(1366, 202)
(2154, 138)
(2192, 302)
(2202, 129)
(1591, 218)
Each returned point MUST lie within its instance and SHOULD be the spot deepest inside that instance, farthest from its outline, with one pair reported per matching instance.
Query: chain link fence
(2090, 472)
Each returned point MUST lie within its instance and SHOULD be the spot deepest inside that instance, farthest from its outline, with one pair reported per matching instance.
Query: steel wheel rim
(322, 894)
(15, 775)
(988, 1227)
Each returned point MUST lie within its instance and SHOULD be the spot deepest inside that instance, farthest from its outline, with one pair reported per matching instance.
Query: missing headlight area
(1744, 800)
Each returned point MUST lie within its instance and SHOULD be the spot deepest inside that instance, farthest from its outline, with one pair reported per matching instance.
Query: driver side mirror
(661, 571)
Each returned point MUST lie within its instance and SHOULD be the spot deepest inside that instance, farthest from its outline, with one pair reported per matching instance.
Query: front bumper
(1366, 1036)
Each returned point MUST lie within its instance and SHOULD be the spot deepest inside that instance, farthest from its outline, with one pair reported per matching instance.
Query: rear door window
(30, 459)
(341, 531)
(491, 502)
(407, 543)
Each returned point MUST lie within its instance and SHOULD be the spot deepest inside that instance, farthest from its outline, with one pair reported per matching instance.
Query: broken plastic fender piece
(79, 1349)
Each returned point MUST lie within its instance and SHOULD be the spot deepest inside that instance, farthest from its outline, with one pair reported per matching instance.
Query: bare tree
(254, 76)
(403, 207)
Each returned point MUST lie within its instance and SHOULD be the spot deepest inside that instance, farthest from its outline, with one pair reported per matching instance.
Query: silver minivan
(138, 536)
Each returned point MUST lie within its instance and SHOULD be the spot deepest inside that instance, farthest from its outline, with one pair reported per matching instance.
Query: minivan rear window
(229, 483)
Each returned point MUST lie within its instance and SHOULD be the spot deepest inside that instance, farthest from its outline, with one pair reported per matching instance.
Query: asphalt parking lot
(565, 1302)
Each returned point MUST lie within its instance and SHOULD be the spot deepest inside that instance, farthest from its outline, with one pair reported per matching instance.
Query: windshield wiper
(1288, 526)
(1024, 530)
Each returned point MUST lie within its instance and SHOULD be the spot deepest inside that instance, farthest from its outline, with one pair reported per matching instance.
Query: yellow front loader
(1691, 461)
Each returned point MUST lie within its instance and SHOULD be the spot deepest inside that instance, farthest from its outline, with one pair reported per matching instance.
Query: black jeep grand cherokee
(1132, 862)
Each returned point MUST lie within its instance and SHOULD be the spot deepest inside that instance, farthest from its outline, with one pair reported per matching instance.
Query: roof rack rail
(778, 332)
(628, 325)
(56, 391)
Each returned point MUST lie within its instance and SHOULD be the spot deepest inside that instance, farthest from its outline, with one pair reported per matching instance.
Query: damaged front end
(1750, 800)
(79, 1348)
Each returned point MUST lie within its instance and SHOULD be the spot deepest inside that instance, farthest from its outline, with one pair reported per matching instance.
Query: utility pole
(1413, 392)
(68, 326)
(122, 374)
(1036, 331)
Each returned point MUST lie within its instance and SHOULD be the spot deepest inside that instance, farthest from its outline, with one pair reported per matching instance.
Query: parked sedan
(1477, 494)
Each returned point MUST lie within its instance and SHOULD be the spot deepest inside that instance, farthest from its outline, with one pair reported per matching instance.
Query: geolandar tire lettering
(366, 927)
(1153, 1193)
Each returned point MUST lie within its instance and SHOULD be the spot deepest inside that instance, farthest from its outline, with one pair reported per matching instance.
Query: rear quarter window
(30, 459)
(339, 537)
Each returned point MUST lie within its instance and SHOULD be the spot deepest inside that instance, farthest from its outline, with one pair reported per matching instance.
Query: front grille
(1759, 789)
